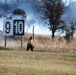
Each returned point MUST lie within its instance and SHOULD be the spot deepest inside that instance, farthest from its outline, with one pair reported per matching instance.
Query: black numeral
(8, 27)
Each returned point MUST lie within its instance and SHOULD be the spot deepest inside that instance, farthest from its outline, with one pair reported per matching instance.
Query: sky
(45, 30)
(68, 1)
(39, 28)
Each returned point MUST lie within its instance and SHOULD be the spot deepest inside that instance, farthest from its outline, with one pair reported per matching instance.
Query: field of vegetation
(48, 58)
(37, 63)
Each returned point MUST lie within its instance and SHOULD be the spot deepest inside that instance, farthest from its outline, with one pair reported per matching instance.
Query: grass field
(48, 58)
(37, 63)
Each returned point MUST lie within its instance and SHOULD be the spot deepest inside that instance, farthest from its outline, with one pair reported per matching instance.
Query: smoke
(30, 7)
(70, 12)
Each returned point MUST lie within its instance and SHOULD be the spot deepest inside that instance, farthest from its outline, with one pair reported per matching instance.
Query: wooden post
(5, 43)
(33, 32)
(21, 42)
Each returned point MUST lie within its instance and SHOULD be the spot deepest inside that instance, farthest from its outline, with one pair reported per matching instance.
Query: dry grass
(37, 63)
(48, 58)
(43, 43)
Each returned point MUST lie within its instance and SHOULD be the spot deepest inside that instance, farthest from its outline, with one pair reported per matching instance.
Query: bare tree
(53, 9)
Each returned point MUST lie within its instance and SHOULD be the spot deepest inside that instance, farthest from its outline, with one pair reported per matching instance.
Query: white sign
(13, 27)
(8, 27)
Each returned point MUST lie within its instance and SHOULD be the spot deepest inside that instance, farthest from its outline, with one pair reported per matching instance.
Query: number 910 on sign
(13, 27)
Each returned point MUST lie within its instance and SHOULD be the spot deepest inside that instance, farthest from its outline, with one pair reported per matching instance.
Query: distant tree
(19, 11)
(68, 35)
(72, 28)
(69, 31)
(53, 9)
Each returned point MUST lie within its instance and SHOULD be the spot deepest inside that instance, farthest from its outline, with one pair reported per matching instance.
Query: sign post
(12, 28)
(7, 29)
(21, 41)
(19, 28)
(5, 43)
(33, 32)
